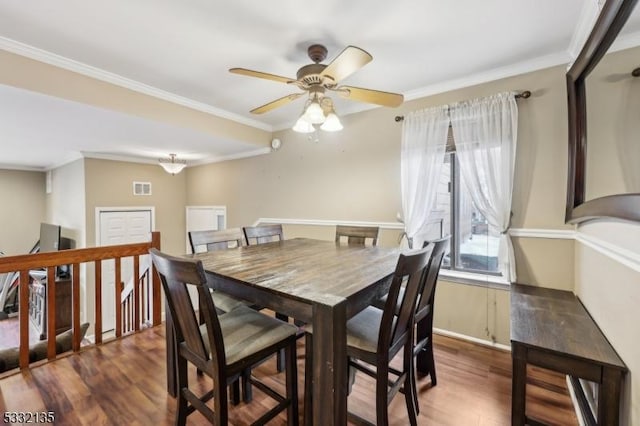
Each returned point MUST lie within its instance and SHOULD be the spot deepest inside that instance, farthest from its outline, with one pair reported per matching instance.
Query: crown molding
(245, 154)
(59, 61)
(206, 160)
(523, 67)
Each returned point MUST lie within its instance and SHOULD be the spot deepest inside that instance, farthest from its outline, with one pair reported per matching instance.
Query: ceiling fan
(316, 78)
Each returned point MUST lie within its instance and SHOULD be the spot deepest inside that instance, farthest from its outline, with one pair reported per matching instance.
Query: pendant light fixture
(172, 165)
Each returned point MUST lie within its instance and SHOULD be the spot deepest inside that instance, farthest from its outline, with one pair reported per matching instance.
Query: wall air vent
(141, 188)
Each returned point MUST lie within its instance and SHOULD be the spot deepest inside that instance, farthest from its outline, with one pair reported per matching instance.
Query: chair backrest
(176, 275)
(357, 235)
(263, 234)
(215, 240)
(425, 299)
(396, 330)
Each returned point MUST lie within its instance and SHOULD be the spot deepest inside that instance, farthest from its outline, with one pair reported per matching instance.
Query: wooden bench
(552, 329)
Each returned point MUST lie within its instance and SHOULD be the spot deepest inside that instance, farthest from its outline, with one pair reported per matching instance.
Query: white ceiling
(182, 50)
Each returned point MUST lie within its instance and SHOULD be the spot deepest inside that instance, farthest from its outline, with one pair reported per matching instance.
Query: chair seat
(246, 332)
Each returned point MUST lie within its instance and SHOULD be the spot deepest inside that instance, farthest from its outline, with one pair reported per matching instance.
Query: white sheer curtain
(485, 133)
(424, 137)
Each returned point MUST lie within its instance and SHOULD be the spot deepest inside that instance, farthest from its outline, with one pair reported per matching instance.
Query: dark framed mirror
(598, 186)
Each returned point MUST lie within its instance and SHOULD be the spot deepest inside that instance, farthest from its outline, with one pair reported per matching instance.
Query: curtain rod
(524, 95)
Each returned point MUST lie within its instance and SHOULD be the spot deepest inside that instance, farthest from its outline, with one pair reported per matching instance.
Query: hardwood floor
(123, 382)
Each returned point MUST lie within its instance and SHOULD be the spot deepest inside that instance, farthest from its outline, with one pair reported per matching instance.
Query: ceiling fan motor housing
(317, 53)
(310, 74)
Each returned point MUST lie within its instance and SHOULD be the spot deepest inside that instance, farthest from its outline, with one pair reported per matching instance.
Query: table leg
(329, 365)
(519, 385)
(609, 397)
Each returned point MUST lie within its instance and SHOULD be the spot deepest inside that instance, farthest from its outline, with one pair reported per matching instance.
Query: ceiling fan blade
(259, 74)
(371, 96)
(277, 103)
(350, 60)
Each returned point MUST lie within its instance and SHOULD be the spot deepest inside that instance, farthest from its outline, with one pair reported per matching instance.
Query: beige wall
(355, 175)
(21, 211)
(110, 184)
(610, 290)
(66, 202)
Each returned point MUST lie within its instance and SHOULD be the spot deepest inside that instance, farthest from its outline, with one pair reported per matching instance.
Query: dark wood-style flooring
(123, 382)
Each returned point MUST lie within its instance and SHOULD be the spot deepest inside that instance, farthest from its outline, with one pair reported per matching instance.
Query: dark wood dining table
(318, 282)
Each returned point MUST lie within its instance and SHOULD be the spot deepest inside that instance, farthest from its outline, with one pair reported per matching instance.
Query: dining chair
(263, 234)
(424, 314)
(224, 346)
(213, 240)
(375, 337)
(267, 234)
(357, 235)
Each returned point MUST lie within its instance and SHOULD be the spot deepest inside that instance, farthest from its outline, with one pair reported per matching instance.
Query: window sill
(481, 280)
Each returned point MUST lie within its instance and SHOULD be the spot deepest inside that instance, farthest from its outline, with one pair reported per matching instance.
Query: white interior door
(120, 227)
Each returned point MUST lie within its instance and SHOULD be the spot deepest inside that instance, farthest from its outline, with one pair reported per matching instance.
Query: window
(473, 246)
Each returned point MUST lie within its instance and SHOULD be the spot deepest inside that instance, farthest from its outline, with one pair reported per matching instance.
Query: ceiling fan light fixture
(303, 126)
(314, 113)
(172, 165)
(332, 123)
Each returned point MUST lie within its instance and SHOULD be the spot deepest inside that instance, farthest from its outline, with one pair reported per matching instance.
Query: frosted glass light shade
(172, 165)
(303, 126)
(332, 123)
(314, 113)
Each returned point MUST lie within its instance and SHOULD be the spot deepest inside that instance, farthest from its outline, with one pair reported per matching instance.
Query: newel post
(157, 306)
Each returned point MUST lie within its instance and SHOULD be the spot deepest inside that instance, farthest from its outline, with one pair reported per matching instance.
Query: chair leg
(235, 392)
(308, 380)
(247, 392)
(280, 363)
(432, 362)
(414, 390)
(183, 383)
(220, 406)
(382, 410)
(410, 388)
(292, 384)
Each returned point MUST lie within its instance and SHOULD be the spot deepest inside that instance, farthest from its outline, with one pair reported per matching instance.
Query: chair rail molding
(613, 251)
(554, 234)
(325, 222)
(621, 255)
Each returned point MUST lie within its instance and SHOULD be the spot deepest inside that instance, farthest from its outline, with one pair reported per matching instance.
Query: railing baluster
(98, 297)
(155, 243)
(51, 312)
(118, 288)
(24, 318)
(75, 303)
(136, 293)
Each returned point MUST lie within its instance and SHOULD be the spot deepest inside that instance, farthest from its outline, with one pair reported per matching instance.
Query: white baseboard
(471, 339)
